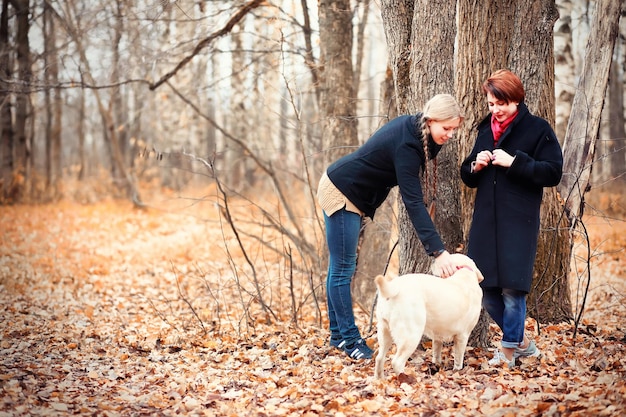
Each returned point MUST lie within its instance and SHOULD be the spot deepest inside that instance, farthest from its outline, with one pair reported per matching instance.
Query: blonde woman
(357, 184)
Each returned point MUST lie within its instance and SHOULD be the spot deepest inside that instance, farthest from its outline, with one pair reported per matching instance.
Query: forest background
(213, 121)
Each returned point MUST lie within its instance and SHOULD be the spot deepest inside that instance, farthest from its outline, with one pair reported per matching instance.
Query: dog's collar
(465, 266)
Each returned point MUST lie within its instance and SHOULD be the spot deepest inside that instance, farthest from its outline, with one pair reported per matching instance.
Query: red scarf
(498, 128)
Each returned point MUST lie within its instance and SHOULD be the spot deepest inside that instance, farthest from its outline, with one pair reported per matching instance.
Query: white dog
(416, 304)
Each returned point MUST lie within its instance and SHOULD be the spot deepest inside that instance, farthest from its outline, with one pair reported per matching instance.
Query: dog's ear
(380, 280)
(479, 274)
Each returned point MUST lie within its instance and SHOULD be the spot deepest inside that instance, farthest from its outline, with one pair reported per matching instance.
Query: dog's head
(461, 261)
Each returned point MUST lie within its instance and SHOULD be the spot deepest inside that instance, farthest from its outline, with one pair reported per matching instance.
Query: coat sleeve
(408, 166)
(544, 167)
(469, 178)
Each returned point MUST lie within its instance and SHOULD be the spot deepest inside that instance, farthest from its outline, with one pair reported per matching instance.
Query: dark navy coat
(392, 156)
(505, 225)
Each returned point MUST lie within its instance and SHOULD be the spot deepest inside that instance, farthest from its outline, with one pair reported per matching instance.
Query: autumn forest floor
(112, 310)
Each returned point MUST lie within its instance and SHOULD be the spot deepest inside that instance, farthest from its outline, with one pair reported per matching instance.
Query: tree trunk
(532, 58)
(337, 104)
(22, 99)
(615, 145)
(54, 108)
(117, 104)
(564, 67)
(408, 23)
(475, 39)
(6, 112)
(235, 156)
(519, 38)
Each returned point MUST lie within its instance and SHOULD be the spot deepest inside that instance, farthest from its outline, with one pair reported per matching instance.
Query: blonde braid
(429, 194)
(440, 107)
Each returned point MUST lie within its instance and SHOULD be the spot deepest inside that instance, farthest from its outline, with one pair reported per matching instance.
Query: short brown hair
(505, 86)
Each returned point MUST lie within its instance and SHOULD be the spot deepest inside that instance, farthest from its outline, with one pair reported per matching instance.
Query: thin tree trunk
(53, 108)
(22, 98)
(337, 104)
(616, 147)
(6, 112)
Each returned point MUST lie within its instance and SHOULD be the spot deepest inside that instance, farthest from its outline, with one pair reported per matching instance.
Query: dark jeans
(342, 237)
(508, 309)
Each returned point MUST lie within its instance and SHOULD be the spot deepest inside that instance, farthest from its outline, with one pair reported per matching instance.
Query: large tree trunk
(431, 23)
(337, 96)
(475, 39)
(420, 73)
(519, 38)
(533, 60)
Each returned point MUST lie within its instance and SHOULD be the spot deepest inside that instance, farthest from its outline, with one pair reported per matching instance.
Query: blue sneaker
(337, 341)
(357, 350)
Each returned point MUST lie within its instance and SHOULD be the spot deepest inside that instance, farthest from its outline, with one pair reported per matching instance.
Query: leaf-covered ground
(110, 310)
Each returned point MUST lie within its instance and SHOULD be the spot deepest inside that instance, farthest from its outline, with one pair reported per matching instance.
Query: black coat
(505, 225)
(392, 156)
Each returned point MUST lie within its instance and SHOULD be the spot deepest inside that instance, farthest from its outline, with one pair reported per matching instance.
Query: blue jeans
(508, 309)
(342, 237)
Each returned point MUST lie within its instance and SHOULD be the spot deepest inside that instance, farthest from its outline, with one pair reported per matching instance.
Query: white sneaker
(499, 359)
(531, 351)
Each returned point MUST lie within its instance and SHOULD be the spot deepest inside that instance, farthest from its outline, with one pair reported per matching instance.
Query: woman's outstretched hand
(444, 266)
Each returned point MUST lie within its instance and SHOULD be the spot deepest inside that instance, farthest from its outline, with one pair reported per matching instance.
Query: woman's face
(500, 109)
(443, 130)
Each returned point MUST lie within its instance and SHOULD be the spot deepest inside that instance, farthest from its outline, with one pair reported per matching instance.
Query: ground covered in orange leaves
(112, 310)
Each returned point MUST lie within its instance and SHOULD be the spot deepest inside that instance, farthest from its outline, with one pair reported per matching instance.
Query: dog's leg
(384, 344)
(437, 346)
(460, 343)
(405, 346)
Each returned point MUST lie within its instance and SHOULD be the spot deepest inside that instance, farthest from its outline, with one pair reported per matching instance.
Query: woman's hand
(501, 158)
(483, 159)
(444, 267)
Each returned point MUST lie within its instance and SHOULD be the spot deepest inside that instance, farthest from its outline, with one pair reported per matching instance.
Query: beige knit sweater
(331, 199)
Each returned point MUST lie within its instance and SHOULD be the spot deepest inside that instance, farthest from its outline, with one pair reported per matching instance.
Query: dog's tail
(385, 286)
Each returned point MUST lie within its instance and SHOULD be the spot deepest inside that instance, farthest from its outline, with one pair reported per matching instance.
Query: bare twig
(186, 300)
(580, 311)
(294, 314)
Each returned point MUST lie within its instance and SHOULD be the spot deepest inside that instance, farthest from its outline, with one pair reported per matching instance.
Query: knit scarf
(498, 128)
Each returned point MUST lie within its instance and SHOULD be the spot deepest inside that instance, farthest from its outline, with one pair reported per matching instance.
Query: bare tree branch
(241, 13)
